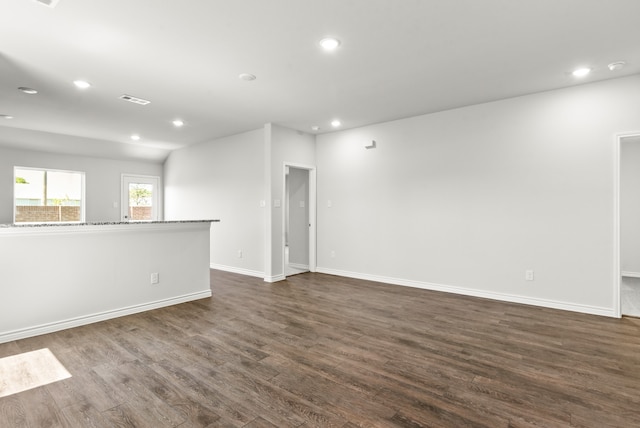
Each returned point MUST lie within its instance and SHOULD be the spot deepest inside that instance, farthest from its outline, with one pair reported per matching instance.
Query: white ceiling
(398, 58)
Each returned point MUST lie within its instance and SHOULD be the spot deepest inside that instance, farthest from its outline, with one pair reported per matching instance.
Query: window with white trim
(48, 196)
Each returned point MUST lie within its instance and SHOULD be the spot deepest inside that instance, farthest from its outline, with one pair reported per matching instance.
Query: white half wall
(222, 179)
(102, 179)
(471, 198)
(56, 277)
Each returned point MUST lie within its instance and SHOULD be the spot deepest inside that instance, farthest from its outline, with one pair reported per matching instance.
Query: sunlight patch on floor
(29, 370)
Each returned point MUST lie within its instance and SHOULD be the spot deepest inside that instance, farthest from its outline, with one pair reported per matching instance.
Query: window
(48, 196)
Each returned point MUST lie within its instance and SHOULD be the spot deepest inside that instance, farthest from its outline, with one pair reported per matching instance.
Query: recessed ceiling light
(247, 77)
(618, 65)
(178, 123)
(135, 137)
(329, 43)
(581, 72)
(26, 90)
(335, 123)
(82, 84)
(315, 128)
(6, 116)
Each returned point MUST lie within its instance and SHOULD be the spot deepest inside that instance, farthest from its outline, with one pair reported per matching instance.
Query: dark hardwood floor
(326, 351)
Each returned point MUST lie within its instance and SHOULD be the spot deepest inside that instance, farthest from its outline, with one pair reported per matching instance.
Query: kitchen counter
(103, 223)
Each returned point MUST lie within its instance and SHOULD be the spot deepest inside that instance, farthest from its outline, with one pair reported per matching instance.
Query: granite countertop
(103, 223)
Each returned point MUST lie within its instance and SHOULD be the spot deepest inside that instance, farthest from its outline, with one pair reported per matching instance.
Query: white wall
(282, 146)
(222, 179)
(227, 179)
(630, 206)
(466, 200)
(102, 179)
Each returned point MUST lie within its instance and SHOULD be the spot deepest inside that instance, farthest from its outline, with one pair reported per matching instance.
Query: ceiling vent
(134, 100)
(48, 3)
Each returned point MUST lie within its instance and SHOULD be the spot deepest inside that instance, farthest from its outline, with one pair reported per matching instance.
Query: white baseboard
(299, 266)
(240, 271)
(630, 274)
(534, 301)
(102, 316)
(248, 272)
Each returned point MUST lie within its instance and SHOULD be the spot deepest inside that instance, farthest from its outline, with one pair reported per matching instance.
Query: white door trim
(124, 196)
(312, 212)
(617, 238)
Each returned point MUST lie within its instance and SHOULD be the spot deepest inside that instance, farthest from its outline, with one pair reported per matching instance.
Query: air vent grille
(134, 100)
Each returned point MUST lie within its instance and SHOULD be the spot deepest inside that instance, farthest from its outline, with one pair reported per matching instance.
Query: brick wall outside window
(46, 214)
(140, 213)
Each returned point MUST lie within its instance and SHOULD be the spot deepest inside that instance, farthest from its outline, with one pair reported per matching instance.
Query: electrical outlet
(333, 254)
(155, 278)
(528, 275)
(239, 254)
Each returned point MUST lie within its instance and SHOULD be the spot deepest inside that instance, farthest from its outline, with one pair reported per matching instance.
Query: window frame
(82, 194)
(157, 209)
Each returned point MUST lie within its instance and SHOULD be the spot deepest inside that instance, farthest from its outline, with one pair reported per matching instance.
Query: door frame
(617, 238)
(157, 211)
(312, 212)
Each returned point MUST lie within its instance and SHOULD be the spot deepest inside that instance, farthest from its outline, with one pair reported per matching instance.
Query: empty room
(340, 213)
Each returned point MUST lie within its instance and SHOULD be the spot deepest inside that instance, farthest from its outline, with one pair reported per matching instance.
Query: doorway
(140, 198)
(628, 276)
(299, 219)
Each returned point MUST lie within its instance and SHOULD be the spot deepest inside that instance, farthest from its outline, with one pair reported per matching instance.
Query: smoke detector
(134, 100)
(48, 3)
(618, 65)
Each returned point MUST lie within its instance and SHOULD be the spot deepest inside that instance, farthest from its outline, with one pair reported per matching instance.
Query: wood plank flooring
(325, 351)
